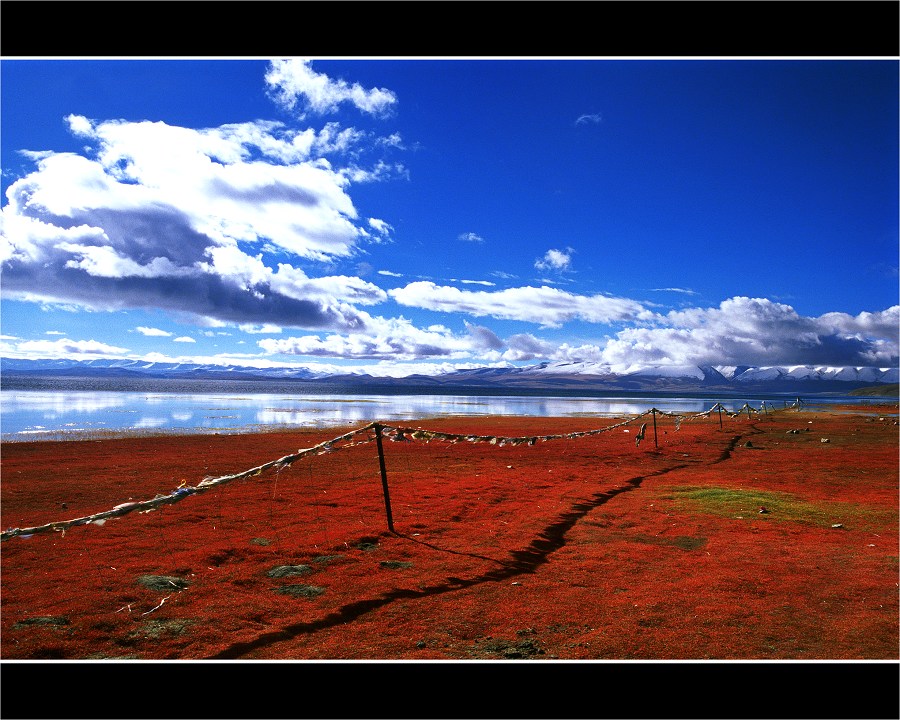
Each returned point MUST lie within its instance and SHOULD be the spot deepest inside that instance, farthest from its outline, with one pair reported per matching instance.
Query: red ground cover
(772, 537)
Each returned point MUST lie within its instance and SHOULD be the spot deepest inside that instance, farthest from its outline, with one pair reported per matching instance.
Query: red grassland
(773, 537)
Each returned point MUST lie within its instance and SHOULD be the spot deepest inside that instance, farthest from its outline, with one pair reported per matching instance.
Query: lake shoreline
(73, 414)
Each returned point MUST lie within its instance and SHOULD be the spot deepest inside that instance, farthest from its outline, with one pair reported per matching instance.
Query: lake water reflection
(38, 414)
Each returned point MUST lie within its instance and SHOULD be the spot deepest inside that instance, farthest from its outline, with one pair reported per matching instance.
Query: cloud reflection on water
(29, 412)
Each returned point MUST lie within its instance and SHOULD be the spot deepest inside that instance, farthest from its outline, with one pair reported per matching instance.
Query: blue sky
(419, 215)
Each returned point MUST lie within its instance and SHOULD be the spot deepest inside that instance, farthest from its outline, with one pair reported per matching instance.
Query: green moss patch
(289, 570)
(307, 591)
(162, 583)
(42, 620)
(395, 564)
(746, 504)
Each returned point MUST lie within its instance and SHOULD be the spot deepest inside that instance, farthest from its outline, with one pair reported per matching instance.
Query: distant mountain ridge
(546, 376)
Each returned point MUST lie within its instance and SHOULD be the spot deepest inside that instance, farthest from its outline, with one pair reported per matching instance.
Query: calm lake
(57, 415)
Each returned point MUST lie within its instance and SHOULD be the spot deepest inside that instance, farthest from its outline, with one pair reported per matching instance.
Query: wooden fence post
(720, 415)
(384, 483)
(655, 443)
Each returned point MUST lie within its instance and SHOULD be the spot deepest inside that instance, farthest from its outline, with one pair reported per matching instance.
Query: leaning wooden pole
(655, 443)
(720, 415)
(384, 483)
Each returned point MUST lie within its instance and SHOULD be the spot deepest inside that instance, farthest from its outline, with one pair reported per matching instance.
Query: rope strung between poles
(185, 491)
(406, 434)
(393, 433)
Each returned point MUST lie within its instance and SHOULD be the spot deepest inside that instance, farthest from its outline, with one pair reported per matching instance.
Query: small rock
(825, 440)
(763, 511)
(837, 525)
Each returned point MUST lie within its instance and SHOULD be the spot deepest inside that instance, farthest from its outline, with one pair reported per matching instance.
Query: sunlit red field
(772, 537)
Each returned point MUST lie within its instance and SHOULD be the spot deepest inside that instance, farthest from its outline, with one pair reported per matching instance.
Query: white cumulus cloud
(68, 348)
(153, 332)
(555, 260)
(470, 237)
(546, 306)
(758, 331)
(293, 82)
(395, 339)
(154, 215)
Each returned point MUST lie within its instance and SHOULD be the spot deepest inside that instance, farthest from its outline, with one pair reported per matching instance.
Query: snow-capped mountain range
(543, 377)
